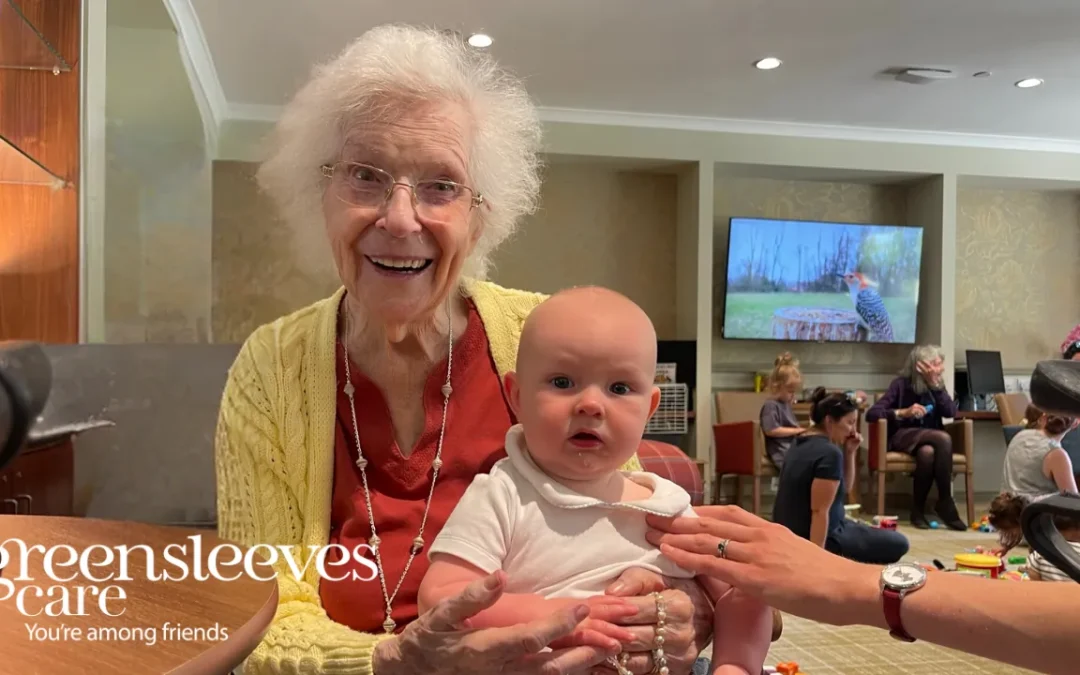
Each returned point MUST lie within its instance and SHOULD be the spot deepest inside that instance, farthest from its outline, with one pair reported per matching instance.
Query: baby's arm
(742, 630)
(449, 574)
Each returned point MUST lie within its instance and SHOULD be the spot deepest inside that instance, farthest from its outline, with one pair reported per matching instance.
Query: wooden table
(240, 610)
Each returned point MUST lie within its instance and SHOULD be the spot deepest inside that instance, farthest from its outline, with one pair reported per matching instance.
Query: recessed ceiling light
(768, 63)
(1029, 83)
(480, 40)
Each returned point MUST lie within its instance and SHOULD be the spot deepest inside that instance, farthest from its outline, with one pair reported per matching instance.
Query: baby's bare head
(588, 319)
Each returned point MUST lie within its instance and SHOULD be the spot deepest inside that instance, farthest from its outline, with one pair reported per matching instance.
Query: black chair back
(25, 384)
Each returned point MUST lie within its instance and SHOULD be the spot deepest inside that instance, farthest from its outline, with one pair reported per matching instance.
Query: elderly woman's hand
(769, 561)
(687, 624)
(440, 640)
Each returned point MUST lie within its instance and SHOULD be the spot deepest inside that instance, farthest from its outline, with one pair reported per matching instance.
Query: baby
(557, 515)
(1005, 513)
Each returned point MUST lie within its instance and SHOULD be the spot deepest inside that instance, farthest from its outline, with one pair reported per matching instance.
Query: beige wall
(800, 200)
(603, 227)
(157, 215)
(1017, 277)
(595, 226)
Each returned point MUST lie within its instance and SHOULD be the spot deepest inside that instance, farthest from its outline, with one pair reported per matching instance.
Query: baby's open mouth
(401, 265)
(585, 439)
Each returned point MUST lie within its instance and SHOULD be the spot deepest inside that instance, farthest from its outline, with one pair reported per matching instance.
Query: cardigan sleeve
(254, 505)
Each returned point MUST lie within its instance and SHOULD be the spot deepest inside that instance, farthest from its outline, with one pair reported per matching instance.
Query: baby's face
(584, 391)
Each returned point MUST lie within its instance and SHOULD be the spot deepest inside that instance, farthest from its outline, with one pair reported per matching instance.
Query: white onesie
(551, 540)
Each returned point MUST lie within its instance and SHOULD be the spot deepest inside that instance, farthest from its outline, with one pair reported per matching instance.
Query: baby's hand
(598, 630)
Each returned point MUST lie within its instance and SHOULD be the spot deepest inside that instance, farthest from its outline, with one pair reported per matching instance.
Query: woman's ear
(513, 392)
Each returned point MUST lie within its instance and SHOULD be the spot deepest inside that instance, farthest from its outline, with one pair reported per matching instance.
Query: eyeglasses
(369, 186)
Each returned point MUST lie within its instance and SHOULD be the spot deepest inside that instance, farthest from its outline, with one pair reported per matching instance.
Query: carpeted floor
(827, 650)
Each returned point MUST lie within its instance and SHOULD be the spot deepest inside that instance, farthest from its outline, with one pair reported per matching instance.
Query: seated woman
(1035, 463)
(778, 422)
(915, 405)
(361, 419)
(816, 477)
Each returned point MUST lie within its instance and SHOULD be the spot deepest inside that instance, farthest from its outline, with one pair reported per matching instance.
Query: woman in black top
(817, 473)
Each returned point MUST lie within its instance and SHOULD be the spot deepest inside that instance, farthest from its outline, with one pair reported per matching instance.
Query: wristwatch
(896, 582)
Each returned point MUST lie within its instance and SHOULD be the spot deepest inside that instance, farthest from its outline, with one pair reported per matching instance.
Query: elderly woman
(360, 420)
(915, 405)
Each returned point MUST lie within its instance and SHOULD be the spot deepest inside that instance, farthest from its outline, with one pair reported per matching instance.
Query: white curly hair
(385, 69)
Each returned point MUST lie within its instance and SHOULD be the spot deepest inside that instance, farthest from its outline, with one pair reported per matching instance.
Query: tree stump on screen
(817, 325)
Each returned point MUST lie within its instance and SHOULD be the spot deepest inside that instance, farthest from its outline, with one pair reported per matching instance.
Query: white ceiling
(693, 58)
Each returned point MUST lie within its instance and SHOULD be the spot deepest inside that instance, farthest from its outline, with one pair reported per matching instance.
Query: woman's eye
(561, 382)
(620, 388)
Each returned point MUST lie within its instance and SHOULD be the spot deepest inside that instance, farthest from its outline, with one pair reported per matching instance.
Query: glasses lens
(361, 184)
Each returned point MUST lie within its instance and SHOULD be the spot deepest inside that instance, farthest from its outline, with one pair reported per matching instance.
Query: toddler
(1005, 517)
(777, 417)
(557, 514)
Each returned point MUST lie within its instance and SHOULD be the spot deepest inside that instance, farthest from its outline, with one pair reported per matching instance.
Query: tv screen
(821, 282)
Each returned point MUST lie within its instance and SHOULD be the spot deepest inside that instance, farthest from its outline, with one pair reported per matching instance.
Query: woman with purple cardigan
(915, 406)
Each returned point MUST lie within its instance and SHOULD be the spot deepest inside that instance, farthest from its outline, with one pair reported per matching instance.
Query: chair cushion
(668, 461)
(768, 468)
(901, 461)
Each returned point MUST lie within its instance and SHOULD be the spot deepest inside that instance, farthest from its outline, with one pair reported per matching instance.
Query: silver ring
(721, 548)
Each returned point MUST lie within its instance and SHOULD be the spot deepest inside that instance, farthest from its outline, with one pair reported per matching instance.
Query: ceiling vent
(923, 75)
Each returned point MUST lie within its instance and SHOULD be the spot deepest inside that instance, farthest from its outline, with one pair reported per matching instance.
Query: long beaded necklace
(418, 543)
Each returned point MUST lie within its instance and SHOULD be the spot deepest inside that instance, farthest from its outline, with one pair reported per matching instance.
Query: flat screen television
(818, 281)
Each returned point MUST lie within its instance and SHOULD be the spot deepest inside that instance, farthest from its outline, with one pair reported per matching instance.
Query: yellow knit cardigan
(275, 463)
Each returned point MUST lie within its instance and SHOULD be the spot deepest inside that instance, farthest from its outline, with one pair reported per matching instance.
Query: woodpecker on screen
(869, 306)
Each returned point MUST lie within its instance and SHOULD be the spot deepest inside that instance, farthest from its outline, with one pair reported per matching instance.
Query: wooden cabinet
(40, 481)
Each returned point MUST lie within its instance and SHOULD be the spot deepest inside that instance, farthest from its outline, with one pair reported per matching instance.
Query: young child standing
(557, 515)
(778, 421)
(1005, 513)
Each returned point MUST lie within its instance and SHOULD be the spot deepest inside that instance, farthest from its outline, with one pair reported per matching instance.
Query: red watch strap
(891, 601)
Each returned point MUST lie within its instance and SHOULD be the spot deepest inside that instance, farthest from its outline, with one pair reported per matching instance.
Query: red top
(478, 418)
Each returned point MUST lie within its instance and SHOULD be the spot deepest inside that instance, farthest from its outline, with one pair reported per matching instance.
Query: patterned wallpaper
(801, 200)
(1017, 278)
(595, 226)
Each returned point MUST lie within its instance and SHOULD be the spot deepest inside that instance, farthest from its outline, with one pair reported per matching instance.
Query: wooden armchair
(740, 444)
(882, 462)
(1011, 407)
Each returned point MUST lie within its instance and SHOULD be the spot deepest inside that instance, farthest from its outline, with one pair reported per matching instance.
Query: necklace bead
(361, 462)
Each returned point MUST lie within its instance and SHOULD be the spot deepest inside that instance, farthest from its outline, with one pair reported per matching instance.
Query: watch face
(903, 576)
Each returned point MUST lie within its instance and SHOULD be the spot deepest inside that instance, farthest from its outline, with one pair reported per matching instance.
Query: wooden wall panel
(39, 227)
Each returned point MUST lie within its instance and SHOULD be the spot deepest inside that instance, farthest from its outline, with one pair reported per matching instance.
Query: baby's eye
(620, 388)
(561, 382)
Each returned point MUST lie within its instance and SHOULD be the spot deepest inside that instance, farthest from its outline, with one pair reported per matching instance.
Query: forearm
(743, 628)
(986, 617)
(510, 609)
(784, 432)
(849, 469)
(819, 526)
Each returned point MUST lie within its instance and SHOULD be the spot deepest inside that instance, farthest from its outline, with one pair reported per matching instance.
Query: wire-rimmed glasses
(369, 186)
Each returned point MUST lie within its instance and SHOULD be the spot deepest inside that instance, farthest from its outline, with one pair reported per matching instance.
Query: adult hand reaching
(952, 610)
(764, 559)
(440, 640)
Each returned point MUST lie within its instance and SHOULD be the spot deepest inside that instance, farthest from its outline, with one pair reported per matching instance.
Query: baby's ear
(513, 392)
(654, 401)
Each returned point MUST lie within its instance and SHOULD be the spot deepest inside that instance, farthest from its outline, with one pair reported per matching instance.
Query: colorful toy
(788, 668)
(885, 522)
(979, 563)
(1018, 560)
(983, 525)
(1013, 575)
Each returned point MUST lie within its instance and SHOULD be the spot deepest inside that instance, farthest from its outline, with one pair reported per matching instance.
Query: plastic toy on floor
(885, 522)
(785, 668)
(983, 525)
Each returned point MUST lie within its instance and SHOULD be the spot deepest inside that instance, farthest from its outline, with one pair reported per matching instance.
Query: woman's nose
(399, 219)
